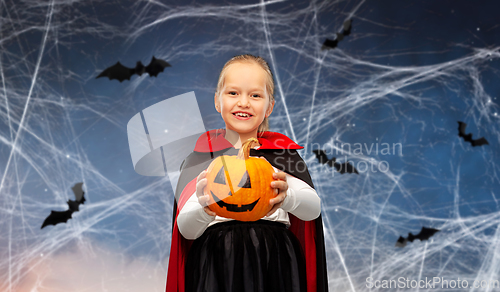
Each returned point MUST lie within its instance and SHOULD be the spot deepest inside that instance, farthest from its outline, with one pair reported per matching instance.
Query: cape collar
(214, 140)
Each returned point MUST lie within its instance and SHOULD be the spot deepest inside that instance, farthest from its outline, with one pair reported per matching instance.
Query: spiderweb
(387, 99)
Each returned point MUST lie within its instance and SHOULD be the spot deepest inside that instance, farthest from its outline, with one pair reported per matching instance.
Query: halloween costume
(281, 152)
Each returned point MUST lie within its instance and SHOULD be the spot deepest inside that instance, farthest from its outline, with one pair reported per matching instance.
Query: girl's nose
(243, 101)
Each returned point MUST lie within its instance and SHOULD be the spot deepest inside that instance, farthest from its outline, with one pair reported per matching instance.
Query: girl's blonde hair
(247, 58)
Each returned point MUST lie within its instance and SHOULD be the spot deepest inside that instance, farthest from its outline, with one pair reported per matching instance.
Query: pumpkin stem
(245, 148)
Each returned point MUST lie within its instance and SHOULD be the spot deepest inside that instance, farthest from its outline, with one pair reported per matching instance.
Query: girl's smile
(241, 115)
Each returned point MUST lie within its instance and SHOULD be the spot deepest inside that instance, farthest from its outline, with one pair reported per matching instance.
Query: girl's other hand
(201, 183)
(281, 186)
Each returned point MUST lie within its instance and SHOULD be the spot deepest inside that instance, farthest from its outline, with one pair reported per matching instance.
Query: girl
(284, 251)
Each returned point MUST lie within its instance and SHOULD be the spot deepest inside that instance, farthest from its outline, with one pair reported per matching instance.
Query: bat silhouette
(57, 217)
(342, 168)
(468, 137)
(346, 30)
(120, 72)
(424, 234)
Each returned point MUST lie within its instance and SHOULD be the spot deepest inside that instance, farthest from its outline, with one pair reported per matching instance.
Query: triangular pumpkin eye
(221, 177)
(245, 181)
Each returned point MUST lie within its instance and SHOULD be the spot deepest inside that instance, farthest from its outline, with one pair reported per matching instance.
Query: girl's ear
(217, 105)
(270, 109)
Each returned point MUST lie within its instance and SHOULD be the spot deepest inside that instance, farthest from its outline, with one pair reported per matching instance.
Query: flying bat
(120, 72)
(57, 217)
(342, 168)
(424, 234)
(468, 137)
(346, 30)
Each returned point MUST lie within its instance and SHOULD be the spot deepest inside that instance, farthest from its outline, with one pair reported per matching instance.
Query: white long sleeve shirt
(301, 200)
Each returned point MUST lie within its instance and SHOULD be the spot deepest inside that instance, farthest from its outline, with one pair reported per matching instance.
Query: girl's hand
(201, 183)
(281, 186)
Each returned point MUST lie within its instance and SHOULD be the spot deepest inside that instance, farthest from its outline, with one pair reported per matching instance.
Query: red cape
(309, 233)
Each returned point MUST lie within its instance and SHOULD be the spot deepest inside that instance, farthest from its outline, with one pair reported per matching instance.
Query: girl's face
(243, 101)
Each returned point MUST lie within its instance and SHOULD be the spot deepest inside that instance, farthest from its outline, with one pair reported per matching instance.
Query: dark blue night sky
(405, 75)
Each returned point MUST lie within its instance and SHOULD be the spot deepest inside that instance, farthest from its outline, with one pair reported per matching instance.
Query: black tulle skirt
(247, 257)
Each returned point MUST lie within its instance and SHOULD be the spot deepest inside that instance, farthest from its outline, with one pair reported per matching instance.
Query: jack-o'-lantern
(239, 187)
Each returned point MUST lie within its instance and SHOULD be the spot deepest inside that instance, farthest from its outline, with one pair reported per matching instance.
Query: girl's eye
(232, 93)
(255, 95)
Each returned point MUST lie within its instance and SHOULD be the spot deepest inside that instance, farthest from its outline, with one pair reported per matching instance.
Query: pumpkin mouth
(234, 207)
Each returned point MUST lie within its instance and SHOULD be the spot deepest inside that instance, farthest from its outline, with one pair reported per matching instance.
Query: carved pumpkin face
(240, 188)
